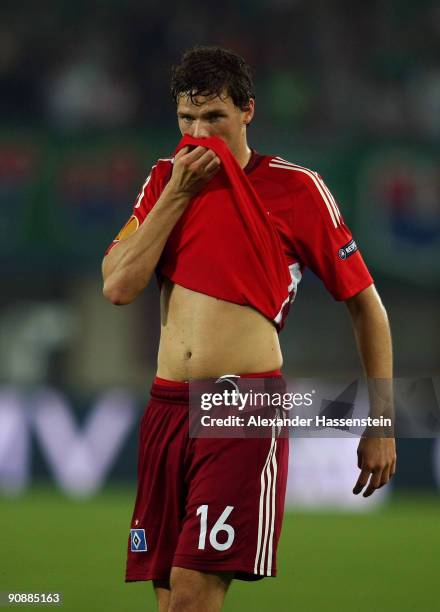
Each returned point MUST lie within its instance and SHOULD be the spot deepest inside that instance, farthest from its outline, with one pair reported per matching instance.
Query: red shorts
(204, 504)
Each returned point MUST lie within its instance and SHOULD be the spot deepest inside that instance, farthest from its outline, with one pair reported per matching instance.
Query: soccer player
(210, 510)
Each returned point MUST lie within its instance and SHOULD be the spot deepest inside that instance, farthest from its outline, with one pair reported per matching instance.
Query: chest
(279, 203)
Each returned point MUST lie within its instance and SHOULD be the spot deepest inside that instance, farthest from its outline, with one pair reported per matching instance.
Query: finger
(199, 167)
(183, 151)
(385, 476)
(393, 468)
(196, 154)
(361, 481)
(214, 164)
(203, 160)
(373, 484)
(208, 176)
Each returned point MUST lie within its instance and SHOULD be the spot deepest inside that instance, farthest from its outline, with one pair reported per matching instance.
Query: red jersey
(225, 244)
(306, 219)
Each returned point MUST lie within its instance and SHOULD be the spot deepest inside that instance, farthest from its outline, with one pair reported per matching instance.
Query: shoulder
(290, 172)
(156, 180)
(306, 185)
(161, 169)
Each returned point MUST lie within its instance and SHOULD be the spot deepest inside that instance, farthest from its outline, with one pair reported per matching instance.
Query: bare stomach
(202, 336)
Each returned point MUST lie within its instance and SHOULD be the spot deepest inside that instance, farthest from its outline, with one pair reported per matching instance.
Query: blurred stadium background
(351, 89)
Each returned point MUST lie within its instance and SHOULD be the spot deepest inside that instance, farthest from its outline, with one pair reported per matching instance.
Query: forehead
(203, 104)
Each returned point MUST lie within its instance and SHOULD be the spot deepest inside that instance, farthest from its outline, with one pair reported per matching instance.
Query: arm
(319, 234)
(128, 267)
(376, 455)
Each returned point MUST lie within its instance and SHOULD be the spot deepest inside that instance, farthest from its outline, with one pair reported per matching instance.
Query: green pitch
(385, 561)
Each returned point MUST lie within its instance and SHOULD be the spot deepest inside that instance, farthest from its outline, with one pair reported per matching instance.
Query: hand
(193, 169)
(376, 456)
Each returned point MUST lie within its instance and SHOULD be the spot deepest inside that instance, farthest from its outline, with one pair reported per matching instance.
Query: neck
(243, 156)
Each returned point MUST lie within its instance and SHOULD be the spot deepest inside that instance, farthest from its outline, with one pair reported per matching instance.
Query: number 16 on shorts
(219, 526)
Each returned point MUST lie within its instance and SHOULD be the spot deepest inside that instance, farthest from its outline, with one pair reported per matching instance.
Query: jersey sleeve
(146, 199)
(324, 243)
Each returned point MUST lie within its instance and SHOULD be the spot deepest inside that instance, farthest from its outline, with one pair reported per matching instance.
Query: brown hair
(211, 71)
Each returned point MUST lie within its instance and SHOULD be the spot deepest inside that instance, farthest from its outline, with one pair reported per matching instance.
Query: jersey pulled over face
(304, 213)
(204, 116)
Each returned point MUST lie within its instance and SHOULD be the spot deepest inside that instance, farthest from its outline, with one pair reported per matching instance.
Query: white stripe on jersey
(327, 190)
(142, 193)
(264, 524)
(279, 316)
(326, 195)
(295, 275)
(332, 199)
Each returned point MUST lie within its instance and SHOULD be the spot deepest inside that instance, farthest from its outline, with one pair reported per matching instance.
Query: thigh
(196, 591)
(162, 592)
(234, 507)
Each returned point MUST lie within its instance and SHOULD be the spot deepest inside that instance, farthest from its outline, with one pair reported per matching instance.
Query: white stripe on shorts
(266, 514)
(272, 522)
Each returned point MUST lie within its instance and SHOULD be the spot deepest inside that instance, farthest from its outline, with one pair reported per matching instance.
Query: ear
(248, 114)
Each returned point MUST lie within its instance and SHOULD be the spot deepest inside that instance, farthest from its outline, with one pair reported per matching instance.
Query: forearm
(377, 449)
(129, 266)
